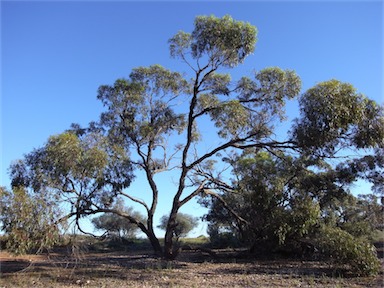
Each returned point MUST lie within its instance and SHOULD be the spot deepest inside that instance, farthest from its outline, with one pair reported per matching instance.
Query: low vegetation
(94, 263)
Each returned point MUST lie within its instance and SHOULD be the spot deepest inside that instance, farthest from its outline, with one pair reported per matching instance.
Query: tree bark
(148, 231)
(170, 253)
(155, 244)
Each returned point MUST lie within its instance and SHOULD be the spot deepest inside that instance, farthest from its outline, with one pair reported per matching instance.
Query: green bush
(29, 220)
(343, 248)
(224, 240)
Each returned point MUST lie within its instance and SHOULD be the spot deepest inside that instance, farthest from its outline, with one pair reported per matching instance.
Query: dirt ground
(192, 269)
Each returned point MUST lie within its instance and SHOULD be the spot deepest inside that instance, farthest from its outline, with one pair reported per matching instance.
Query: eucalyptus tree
(159, 120)
(81, 172)
(156, 105)
(268, 209)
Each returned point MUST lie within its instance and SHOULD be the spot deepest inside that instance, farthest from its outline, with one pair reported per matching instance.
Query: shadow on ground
(142, 267)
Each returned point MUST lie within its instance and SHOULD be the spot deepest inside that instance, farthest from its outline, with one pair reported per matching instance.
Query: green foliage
(221, 238)
(301, 218)
(343, 248)
(259, 101)
(231, 118)
(200, 241)
(359, 216)
(217, 84)
(85, 167)
(223, 40)
(274, 214)
(71, 157)
(335, 116)
(115, 224)
(208, 101)
(156, 80)
(184, 224)
(284, 83)
(138, 109)
(368, 167)
(285, 202)
(28, 220)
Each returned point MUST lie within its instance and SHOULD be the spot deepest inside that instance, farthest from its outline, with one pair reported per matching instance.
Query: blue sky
(54, 55)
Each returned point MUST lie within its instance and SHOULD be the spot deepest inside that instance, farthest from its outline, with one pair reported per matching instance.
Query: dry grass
(192, 269)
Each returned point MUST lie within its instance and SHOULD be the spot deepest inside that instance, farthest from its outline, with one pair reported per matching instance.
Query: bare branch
(186, 61)
(194, 193)
(226, 206)
(139, 201)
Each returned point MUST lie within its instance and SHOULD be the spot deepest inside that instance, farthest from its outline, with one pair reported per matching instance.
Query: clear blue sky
(54, 55)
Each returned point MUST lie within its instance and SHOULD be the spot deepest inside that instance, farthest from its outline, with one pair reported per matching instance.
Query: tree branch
(273, 144)
(226, 206)
(193, 194)
(135, 200)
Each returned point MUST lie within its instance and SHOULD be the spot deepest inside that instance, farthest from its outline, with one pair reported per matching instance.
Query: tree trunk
(157, 249)
(170, 252)
(152, 237)
(155, 244)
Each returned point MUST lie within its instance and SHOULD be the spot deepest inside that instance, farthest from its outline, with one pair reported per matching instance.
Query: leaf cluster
(85, 171)
(28, 220)
(223, 40)
(139, 109)
(345, 249)
(335, 116)
(257, 102)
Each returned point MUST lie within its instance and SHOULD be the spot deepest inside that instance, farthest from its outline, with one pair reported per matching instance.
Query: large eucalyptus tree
(156, 121)
(143, 112)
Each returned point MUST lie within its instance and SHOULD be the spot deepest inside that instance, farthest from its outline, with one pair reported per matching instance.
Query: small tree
(118, 225)
(345, 249)
(184, 224)
(265, 211)
(30, 221)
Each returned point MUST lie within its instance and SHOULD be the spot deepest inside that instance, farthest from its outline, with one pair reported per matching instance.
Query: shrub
(343, 248)
(220, 238)
(28, 220)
